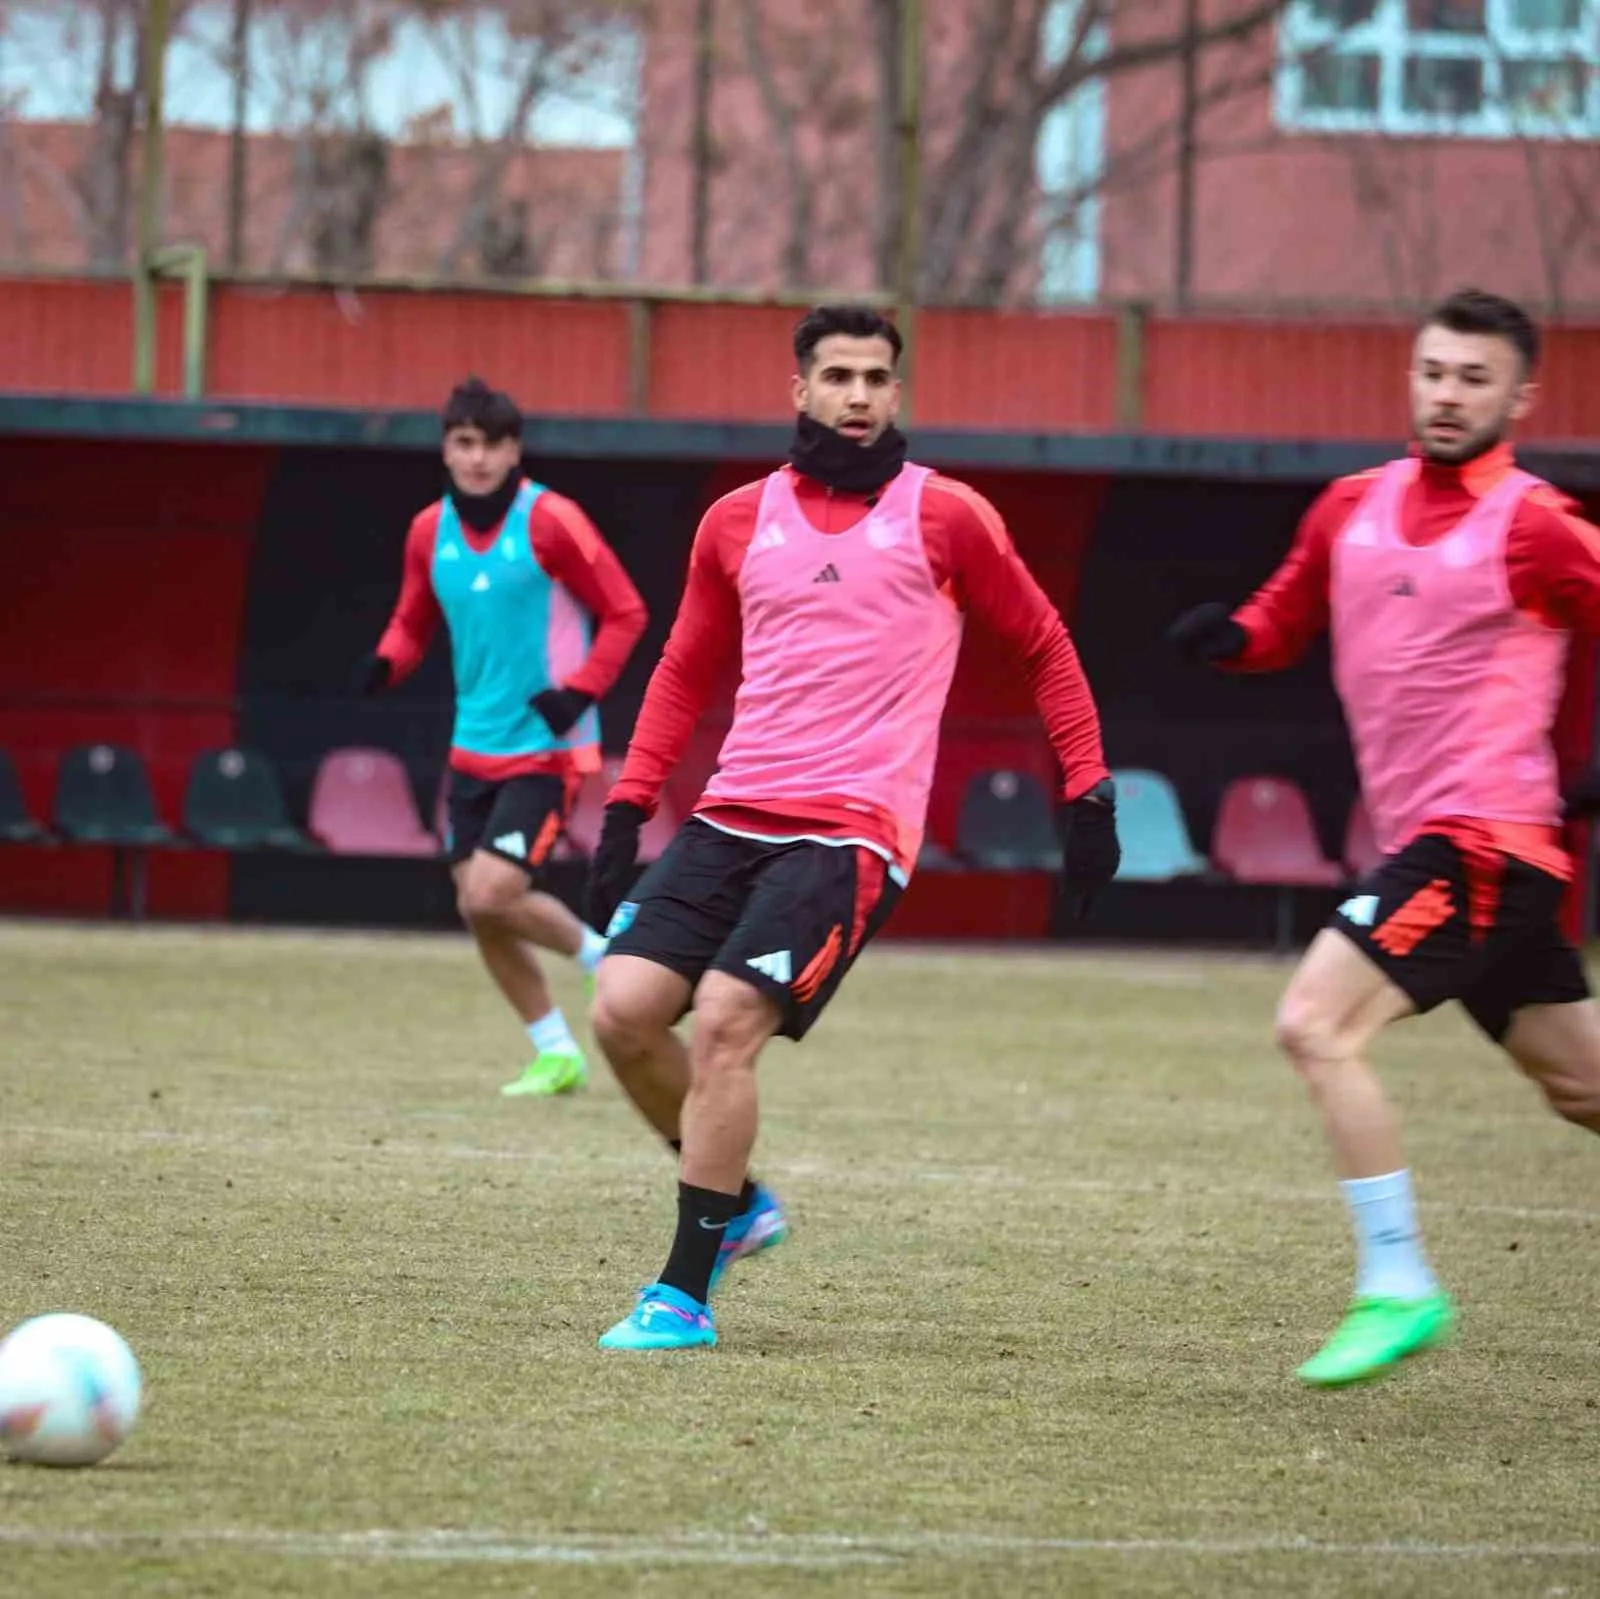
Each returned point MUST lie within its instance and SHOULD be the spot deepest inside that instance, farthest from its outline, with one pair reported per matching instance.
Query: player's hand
(1090, 853)
(615, 856)
(1208, 633)
(1581, 797)
(373, 674)
(561, 707)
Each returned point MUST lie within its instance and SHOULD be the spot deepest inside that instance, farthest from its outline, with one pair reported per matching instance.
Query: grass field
(1064, 1227)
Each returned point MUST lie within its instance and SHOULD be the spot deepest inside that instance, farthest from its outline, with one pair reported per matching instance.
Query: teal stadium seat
(1007, 824)
(234, 801)
(1155, 839)
(103, 797)
(17, 825)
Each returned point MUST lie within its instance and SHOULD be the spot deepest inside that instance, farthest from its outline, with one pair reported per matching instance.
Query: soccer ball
(69, 1390)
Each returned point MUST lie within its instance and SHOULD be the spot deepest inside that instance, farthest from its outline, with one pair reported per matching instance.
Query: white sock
(591, 949)
(551, 1032)
(1389, 1258)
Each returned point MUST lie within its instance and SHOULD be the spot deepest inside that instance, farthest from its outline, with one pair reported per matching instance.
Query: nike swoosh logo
(711, 1226)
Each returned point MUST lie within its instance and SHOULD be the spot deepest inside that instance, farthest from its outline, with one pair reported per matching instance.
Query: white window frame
(1386, 35)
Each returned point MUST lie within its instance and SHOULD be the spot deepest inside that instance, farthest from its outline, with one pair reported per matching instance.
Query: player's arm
(416, 613)
(568, 546)
(1276, 625)
(704, 638)
(968, 543)
(1553, 563)
(990, 580)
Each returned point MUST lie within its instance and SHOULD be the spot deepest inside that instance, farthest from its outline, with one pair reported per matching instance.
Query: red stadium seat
(1361, 852)
(1265, 834)
(362, 804)
(583, 825)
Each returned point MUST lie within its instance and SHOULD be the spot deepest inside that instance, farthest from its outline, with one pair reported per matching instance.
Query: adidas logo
(777, 965)
(449, 553)
(480, 583)
(512, 844)
(1402, 585)
(1361, 911)
(829, 574)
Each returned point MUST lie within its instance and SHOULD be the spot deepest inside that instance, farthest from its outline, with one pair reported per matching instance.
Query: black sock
(703, 1217)
(747, 1190)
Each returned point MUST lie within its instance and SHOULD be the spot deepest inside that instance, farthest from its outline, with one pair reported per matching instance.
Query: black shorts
(1444, 925)
(519, 818)
(788, 919)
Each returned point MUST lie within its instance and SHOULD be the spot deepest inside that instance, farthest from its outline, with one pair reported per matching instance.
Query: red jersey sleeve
(416, 614)
(1290, 609)
(704, 638)
(1553, 562)
(569, 548)
(971, 553)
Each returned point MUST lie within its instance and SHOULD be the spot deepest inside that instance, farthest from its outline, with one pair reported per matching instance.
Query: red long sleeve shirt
(971, 557)
(1552, 571)
(570, 550)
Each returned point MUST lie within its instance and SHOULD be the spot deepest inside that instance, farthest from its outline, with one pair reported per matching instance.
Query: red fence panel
(1027, 371)
(406, 349)
(1275, 380)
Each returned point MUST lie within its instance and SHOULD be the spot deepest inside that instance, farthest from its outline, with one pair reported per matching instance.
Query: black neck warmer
(851, 468)
(485, 512)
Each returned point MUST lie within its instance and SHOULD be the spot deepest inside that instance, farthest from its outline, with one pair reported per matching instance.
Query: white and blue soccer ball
(69, 1390)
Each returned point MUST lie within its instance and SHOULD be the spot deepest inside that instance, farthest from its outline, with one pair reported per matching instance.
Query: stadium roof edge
(1573, 466)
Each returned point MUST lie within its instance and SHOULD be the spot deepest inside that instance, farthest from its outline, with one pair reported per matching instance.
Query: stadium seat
(1265, 834)
(234, 801)
(362, 804)
(1007, 824)
(103, 797)
(583, 825)
(1150, 826)
(17, 825)
(1361, 852)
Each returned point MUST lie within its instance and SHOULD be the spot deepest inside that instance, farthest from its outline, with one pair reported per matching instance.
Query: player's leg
(636, 1002)
(1401, 944)
(682, 911)
(500, 837)
(1535, 1005)
(522, 827)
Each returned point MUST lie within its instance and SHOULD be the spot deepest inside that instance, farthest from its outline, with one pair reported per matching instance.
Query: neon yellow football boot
(1377, 1333)
(552, 1071)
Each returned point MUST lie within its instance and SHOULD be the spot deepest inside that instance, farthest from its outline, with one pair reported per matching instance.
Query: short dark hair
(855, 321)
(474, 404)
(1478, 311)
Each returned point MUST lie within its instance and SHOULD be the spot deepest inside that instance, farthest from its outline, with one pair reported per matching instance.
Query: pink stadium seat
(1361, 852)
(583, 825)
(1265, 834)
(362, 804)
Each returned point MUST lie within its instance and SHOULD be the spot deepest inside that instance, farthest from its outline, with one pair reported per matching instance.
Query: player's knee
(487, 900)
(1576, 1099)
(625, 1028)
(1306, 1033)
(731, 1023)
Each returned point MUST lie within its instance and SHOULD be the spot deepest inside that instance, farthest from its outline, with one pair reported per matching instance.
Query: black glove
(374, 674)
(561, 707)
(1090, 853)
(1207, 633)
(611, 870)
(1582, 795)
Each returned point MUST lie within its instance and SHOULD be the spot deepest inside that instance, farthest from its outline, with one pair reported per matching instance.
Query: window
(1488, 69)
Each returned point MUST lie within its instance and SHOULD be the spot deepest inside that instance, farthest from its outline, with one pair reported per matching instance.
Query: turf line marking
(775, 1549)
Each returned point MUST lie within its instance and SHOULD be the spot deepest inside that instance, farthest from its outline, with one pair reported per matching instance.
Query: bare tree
(528, 49)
